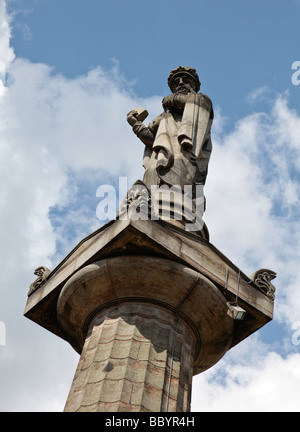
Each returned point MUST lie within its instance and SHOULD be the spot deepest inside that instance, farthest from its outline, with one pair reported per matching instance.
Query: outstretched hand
(132, 117)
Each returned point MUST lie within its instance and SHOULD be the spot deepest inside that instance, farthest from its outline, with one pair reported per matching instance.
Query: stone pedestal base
(136, 357)
(117, 297)
(145, 326)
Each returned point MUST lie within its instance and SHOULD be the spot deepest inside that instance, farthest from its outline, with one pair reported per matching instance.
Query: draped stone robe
(178, 144)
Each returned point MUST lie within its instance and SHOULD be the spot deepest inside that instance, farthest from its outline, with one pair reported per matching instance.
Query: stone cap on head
(182, 70)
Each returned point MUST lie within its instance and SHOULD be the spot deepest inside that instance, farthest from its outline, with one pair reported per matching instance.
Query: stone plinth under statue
(149, 296)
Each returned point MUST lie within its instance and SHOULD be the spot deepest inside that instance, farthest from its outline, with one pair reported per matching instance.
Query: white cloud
(253, 195)
(257, 94)
(6, 51)
(266, 384)
(52, 131)
(253, 215)
(85, 118)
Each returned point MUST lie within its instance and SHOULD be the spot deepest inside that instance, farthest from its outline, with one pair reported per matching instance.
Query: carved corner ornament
(262, 279)
(138, 200)
(42, 273)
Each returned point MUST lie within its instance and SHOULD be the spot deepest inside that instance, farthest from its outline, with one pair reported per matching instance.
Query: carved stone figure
(41, 272)
(262, 278)
(177, 142)
(138, 200)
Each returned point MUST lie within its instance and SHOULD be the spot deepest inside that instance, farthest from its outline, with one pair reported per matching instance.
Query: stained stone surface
(154, 264)
(162, 282)
(155, 239)
(144, 301)
(136, 357)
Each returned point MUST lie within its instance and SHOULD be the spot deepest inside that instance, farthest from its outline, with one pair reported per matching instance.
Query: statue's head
(184, 80)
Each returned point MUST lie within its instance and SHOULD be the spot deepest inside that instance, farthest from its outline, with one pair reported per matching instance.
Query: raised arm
(144, 133)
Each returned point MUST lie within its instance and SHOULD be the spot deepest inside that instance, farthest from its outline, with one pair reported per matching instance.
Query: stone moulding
(161, 240)
(155, 281)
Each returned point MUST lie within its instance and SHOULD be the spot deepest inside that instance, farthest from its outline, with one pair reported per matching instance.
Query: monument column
(136, 321)
(143, 325)
(136, 357)
(146, 300)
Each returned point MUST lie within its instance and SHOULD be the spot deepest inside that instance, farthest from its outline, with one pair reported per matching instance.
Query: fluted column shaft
(136, 357)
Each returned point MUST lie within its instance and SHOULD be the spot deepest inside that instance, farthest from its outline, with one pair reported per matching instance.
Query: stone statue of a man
(177, 142)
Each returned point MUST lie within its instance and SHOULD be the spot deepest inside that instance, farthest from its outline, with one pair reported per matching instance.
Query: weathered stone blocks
(130, 362)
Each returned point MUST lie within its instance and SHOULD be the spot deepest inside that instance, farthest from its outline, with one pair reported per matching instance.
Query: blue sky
(235, 46)
(70, 71)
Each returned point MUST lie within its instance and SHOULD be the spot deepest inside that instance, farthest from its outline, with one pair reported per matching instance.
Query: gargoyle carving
(262, 279)
(42, 273)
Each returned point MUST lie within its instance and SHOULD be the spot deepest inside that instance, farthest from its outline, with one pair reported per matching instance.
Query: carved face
(183, 84)
(39, 273)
